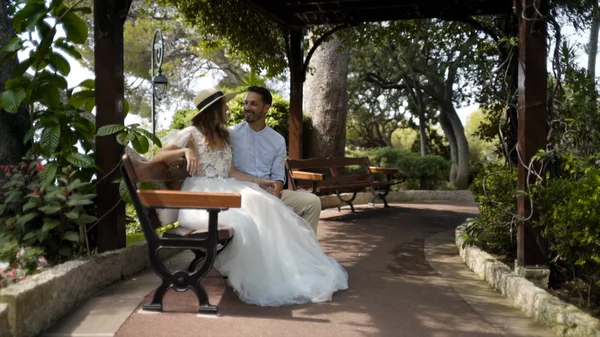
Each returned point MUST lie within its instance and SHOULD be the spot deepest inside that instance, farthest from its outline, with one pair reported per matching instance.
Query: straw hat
(208, 96)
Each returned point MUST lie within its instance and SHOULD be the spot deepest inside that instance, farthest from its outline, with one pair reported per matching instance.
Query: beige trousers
(305, 204)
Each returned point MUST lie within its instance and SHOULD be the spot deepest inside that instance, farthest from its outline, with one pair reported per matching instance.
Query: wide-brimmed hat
(208, 96)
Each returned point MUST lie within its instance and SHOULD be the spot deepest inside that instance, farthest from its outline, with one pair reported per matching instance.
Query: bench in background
(323, 176)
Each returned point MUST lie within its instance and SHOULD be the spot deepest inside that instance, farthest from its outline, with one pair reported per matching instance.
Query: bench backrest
(333, 167)
(161, 175)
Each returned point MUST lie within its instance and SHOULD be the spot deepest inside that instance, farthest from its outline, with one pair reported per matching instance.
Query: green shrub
(51, 216)
(570, 218)
(422, 172)
(494, 228)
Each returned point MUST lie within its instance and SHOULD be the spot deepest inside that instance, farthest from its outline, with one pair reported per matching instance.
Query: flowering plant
(17, 263)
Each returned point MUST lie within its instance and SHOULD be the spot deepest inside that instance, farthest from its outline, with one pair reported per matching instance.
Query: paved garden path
(405, 276)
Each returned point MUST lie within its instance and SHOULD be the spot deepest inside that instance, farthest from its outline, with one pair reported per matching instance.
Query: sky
(80, 73)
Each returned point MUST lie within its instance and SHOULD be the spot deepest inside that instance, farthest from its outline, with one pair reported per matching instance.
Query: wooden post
(297, 75)
(109, 18)
(533, 115)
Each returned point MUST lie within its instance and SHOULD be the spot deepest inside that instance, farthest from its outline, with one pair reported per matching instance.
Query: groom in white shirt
(259, 151)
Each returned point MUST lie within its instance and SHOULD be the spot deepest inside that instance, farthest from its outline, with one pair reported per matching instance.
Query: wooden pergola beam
(533, 120)
(109, 18)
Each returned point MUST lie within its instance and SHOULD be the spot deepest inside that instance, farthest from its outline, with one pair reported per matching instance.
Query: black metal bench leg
(348, 202)
(156, 304)
(204, 305)
(199, 257)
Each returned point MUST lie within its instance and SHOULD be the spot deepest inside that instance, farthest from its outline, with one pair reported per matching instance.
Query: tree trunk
(449, 133)
(13, 126)
(422, 130)
(593, 44)
(461, 180)
(326, 98)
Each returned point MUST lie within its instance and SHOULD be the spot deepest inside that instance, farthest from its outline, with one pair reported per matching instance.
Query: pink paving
(393, 289)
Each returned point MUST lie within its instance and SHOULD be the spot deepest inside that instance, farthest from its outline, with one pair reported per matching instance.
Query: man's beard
(250, 116)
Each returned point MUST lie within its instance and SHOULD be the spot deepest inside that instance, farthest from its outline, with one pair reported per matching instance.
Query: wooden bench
(334, 177)
(160, 207)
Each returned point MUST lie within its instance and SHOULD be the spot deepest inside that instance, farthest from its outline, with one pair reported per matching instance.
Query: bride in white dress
(274, 258)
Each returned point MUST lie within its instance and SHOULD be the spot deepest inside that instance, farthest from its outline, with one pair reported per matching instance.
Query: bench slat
(351, 187)
(307, 175)
(325, 162)
(181, 199)
(375, 169)
(223, 232)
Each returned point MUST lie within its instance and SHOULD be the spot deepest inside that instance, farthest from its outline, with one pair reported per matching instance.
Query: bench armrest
(308, 176)
(375, 169)
(181, 199)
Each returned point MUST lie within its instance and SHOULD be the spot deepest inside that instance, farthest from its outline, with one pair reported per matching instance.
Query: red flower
(39, 167)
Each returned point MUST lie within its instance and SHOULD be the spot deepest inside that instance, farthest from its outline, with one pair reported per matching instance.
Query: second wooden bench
(324, 176)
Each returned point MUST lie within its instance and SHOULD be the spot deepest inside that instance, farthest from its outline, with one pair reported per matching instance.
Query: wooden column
(109, 18)
(297, 75)
(533, 114)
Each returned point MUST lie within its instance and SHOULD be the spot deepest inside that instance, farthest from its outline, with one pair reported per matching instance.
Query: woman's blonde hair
(212, 124)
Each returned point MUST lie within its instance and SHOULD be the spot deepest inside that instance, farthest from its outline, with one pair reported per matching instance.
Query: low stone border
(564, 319)
(332, 201)
(33, 305)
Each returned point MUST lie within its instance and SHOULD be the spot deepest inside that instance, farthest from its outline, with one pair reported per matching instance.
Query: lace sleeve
(178, 138)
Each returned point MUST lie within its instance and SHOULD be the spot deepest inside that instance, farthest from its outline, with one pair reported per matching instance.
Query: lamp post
(159, 81)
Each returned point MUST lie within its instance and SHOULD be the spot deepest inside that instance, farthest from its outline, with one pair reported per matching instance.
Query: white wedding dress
(274, 258)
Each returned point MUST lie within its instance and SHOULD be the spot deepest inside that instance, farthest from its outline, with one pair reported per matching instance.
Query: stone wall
(564, 319)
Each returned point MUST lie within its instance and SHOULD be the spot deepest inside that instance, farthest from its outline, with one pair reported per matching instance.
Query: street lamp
(159, 81)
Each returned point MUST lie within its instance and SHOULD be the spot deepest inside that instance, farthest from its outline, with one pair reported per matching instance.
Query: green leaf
(28, 236)
(17, 82)
(124, 192)
(44, 28)
(22, 220)
(79, 202)
(72, 236)
(22, 67)
(124, 137)
(69, 50)
(2, 209)
(53, 79)
(140, 143)
(50, 224)
(32, 11)
(11, 100)
(61, 64)
(75, 28)
(83, 10)
(88, 84)
(50, 139)
(150, 136)
(85, 219)
(50, 95)
(50, 209)
(14, 45)
(74, 214)
(76, 184)
(80, 98)
(49, 173)
(80, 160)
(110, 129)
(41, 235)
(30, 205)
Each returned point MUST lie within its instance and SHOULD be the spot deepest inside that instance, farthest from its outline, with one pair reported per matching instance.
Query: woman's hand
(269, 185)
(193, 164)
